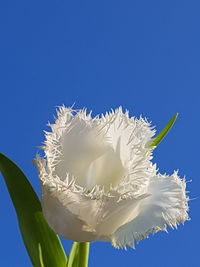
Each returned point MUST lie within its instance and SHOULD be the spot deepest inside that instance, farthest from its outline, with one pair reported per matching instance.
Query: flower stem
(83, 254)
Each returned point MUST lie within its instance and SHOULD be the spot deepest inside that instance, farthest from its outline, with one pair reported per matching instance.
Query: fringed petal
(166, 205)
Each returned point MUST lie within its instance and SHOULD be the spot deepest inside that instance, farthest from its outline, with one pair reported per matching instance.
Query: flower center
(86, 154)
(106, 170)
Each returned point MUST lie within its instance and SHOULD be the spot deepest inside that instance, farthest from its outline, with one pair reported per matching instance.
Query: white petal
(128, 136)
(106, 170)
(167, 205)
(115, 213)
(86, 217)
(80, 215)
(99, 151)
(63, 219)
(73, 144)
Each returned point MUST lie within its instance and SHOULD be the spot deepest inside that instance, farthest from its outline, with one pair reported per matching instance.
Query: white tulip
(98, 182)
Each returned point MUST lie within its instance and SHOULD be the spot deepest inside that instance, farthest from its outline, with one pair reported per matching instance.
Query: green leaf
(42, 244)
(73, 256)
(156, 141)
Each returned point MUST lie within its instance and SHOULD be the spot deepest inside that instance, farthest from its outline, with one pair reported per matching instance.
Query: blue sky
(143, 55)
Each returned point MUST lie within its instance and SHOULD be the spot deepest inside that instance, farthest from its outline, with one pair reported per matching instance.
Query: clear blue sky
(143, 55)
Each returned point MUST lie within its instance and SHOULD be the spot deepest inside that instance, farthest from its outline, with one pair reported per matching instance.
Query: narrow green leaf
(156, 141)
(40, 256)
(73, 256)
(42, 244)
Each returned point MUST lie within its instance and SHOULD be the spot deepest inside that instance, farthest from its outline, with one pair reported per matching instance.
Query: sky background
(143, 55)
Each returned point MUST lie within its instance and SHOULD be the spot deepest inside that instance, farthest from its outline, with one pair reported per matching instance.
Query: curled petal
(166, 205)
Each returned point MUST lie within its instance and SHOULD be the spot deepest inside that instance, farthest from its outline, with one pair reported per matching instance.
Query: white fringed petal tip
(98, 182)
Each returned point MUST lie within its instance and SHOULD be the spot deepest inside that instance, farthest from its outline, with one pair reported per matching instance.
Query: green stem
(83, 254)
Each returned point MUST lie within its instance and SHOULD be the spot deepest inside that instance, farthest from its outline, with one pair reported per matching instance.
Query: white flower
(98, 182)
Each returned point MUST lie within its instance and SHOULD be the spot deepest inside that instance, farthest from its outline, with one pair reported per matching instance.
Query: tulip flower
(98, 181)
